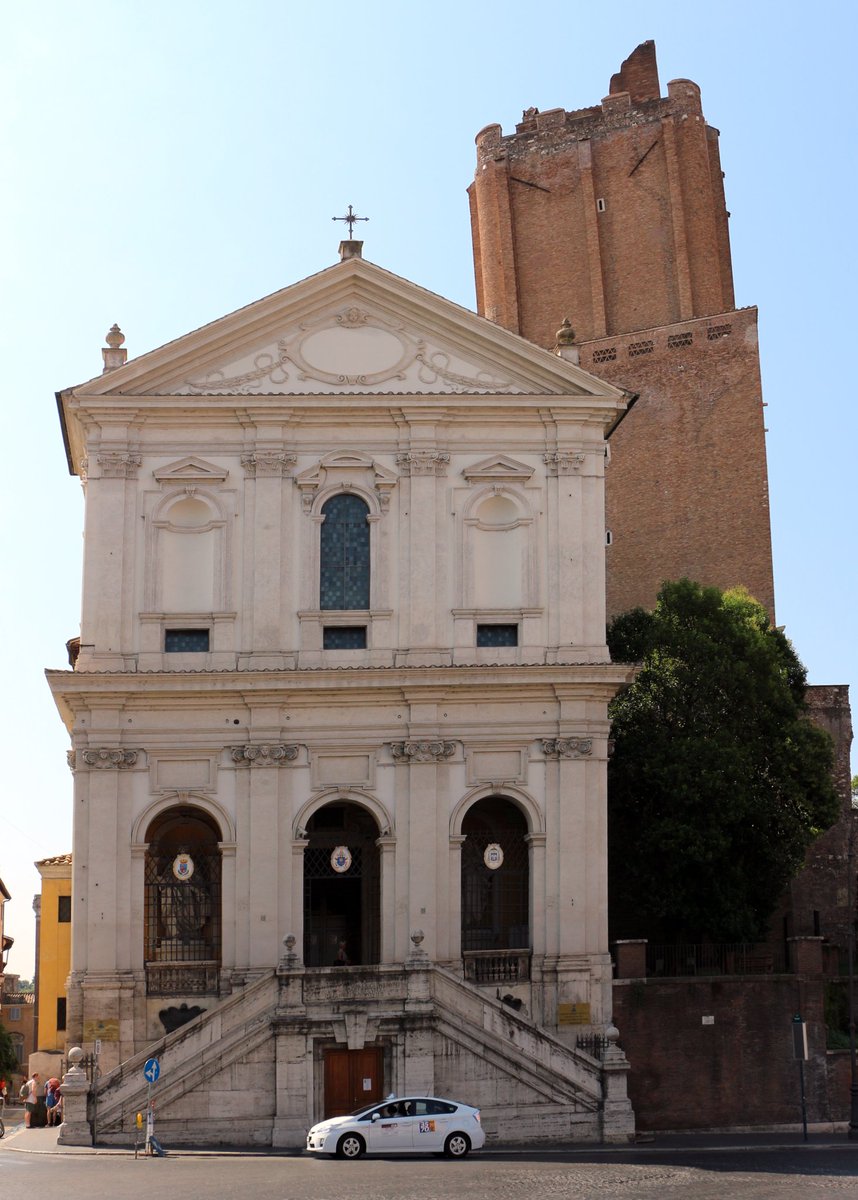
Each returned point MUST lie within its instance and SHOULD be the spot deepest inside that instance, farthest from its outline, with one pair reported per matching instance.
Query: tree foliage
(8, 1057)
(718, 781)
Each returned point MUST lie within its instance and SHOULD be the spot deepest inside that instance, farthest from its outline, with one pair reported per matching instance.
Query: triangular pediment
(353, 329)
(499, 466)
(191, 470)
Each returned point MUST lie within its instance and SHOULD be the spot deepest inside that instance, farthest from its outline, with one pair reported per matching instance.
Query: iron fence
(721, 958)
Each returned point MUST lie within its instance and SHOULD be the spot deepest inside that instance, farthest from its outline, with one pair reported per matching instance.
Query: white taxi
(401, 1125)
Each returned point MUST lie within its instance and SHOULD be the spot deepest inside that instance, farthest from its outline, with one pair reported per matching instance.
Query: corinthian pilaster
(104, 759)
(423, 462)
(117, 465)
(422, 752)
(567, 747)
(268, 755)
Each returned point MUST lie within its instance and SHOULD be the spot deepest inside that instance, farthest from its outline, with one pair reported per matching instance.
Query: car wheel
(457, 1145)
(350, 1145)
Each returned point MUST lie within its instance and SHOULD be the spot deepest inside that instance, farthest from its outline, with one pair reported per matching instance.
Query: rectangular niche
(182, 773)
(343, 769)
(496, 764)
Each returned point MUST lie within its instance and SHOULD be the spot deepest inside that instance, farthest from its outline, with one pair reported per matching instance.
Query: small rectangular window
(14, 1013)
(63, 909)
(344, 637)
(497, 635)
(61, 1013)
(186, 641)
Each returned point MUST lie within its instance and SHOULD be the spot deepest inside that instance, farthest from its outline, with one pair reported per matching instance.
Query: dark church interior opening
(495, 898)
(341, 890)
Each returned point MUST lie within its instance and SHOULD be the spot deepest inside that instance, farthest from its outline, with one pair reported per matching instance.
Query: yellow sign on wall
(573, 1014)
(107, 1031)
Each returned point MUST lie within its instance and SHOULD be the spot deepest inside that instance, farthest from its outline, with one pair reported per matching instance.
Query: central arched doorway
(341, 887)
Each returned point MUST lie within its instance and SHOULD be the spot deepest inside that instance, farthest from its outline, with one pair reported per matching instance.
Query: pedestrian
(52, 1096)
(31, 1101)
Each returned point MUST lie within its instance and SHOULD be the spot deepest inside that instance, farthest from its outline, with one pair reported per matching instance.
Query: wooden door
(352, 1078)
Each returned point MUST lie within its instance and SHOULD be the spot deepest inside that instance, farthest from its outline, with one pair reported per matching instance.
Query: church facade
(338, 718)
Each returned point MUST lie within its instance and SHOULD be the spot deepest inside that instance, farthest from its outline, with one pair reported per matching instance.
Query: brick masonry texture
(737, 1071)
(614, 216)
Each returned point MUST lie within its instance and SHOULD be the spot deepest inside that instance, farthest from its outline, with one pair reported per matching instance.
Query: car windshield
(366, 1108)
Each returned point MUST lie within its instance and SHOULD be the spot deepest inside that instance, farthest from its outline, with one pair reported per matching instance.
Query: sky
(167, 163)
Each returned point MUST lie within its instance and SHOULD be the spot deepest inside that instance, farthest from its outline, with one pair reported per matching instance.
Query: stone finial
(74, 1059)
(566, 334)
(289, 959)
(564, 342)
(113, 353)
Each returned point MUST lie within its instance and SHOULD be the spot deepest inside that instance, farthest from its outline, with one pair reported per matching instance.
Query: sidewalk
(44, 1141)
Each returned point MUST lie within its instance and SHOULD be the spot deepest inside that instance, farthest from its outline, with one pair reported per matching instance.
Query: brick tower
(614, 217)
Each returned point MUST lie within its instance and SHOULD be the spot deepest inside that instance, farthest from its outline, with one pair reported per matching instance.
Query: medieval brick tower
(614, 217)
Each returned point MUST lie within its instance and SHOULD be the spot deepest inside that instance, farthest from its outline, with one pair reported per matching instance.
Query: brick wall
(737, 1070)
(817, 899)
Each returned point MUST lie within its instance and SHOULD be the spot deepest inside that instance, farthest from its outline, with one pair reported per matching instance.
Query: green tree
(8, 1057)
(718, 781)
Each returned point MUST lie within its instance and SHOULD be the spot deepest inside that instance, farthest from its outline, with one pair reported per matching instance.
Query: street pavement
(677, 1167)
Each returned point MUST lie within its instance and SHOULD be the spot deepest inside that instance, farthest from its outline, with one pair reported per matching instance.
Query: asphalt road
(788, 1173)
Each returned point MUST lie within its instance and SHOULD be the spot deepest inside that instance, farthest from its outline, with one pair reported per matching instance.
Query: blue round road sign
(152, 1069)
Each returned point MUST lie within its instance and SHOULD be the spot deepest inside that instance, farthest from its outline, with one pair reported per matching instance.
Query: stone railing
(497, 966)
(182, 979)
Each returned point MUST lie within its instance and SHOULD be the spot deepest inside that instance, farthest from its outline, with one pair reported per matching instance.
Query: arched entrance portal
(182, 947)
(341, 887)
(495, 877)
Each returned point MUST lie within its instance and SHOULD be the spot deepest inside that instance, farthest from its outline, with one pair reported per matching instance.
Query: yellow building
(53, 951)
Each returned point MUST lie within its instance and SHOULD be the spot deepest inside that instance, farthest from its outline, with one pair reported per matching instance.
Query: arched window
(183, 917)
(495, 877)
(344, 554)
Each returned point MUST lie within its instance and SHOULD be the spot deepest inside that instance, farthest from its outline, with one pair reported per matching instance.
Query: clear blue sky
(166, 163)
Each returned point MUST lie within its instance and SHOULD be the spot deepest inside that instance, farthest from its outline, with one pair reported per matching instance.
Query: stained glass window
(344, 558)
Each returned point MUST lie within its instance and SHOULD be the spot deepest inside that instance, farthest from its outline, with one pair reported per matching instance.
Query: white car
(401, 1125)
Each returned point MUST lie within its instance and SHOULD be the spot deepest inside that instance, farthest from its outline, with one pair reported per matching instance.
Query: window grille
(608, 354)
(675, 341)
(183, 914)
(344, 554)
(636, 349)
(714, 332)
(186, 641)
(495, 903)
(344, 637)
(497, 635)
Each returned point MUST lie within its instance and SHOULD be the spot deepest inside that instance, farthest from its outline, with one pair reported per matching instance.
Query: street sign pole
(151, 1071)
(799, 1049)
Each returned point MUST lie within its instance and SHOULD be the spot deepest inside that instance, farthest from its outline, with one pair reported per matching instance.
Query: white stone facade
(215, 697)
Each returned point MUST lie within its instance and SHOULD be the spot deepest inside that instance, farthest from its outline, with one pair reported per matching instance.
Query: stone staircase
(189, 1057)
(247, 1071)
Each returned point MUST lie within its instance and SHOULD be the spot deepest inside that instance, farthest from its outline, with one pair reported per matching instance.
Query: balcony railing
(497, 966)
